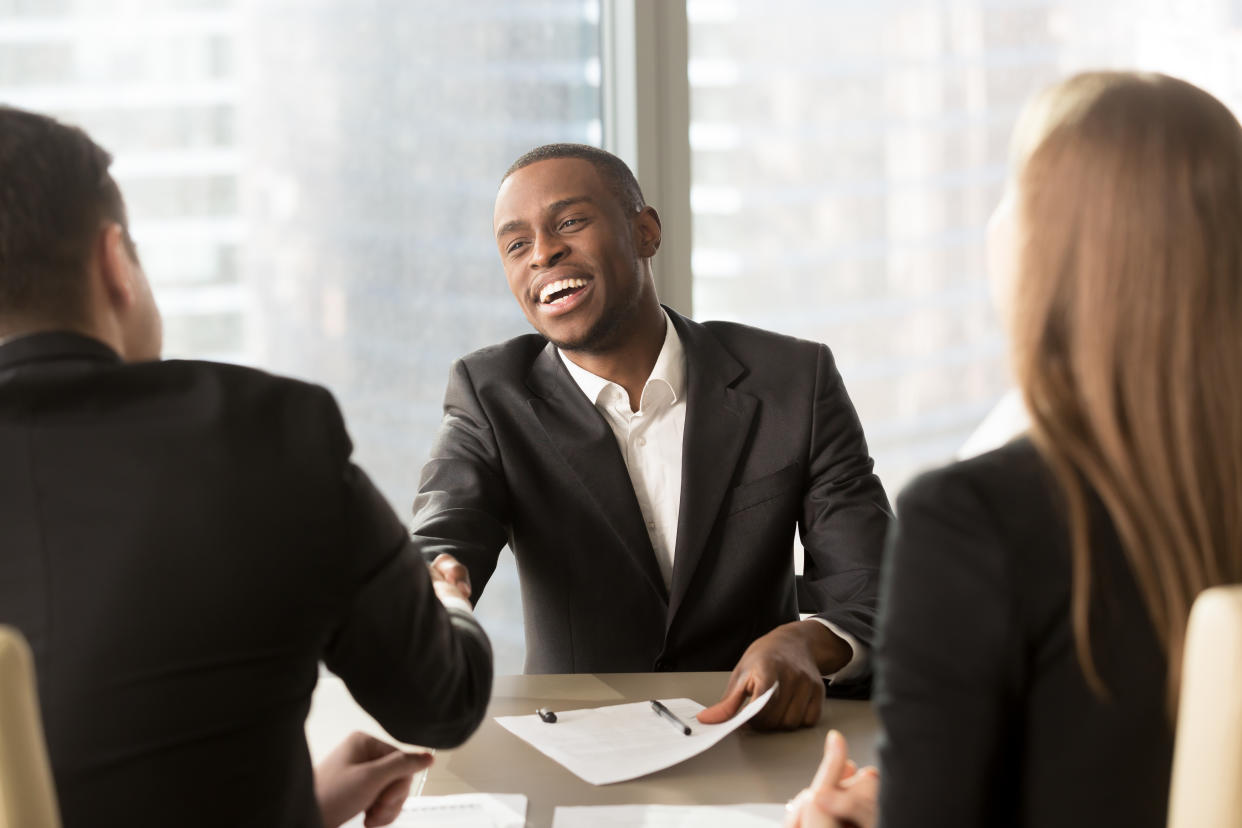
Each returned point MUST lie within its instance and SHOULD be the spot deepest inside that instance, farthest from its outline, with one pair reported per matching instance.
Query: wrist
(829, 651)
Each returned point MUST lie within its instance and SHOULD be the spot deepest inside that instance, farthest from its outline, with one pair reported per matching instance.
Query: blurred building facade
(311, 181)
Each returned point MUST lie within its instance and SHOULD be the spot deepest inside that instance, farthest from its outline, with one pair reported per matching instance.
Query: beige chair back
(1206, 790)
(27, 794)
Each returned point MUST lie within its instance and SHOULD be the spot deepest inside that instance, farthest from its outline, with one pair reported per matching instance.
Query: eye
(571, 223)
(515, 246)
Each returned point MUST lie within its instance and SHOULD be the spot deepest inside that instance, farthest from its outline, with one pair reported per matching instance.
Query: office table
(747, 766)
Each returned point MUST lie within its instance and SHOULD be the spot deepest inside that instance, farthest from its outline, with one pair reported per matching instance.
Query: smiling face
(575, 259)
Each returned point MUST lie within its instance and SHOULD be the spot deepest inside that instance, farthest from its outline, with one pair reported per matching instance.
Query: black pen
(665, 713)
(546, 714)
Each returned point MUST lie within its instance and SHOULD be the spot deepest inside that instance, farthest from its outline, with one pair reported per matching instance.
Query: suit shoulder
(505, 361)
(1010, 487)
(243, 380)
(252, 401)
(1013, 464)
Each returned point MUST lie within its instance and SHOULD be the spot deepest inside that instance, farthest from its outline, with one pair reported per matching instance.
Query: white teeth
(560, 284)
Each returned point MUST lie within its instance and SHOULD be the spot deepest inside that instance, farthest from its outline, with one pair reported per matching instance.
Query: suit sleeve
(845, 513)
(423, 671)
(945, 703)
(462, 506)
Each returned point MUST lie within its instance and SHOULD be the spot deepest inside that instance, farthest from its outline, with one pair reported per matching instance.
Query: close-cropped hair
(55, 194)
(1127, 331)
(616, 174)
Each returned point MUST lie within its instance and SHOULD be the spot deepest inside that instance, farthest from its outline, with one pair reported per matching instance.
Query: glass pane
(846, 157)
(310, 183)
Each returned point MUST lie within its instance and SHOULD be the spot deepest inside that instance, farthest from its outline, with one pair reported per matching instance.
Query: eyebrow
(517, 224)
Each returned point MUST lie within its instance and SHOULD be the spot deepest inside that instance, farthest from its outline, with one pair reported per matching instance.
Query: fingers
(855, 801)
(797, 703)
(395, 765)
(387, 806)
(794, 808)
(814, 705)
(839, 795)
(453, 571)
(392, 776)
(869, 775)
(803, 812)
(446, 590)
(727, 707)
(786, 709)
(386, 809)
(804, 710)
(363, 747)
(365, 774)
(836, 753)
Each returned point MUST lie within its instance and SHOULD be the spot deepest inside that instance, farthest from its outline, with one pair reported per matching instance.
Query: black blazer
(182, 542)
(987, 718)
(771, 443)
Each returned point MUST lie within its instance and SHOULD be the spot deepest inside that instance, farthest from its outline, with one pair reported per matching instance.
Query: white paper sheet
(477, 810)
(670, 816)
(603, 745)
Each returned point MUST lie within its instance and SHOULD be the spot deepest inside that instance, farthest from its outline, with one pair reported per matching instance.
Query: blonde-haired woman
(1035, 598)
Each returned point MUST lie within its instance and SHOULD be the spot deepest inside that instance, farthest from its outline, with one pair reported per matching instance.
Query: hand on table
(840, 795)
(365, 774)
(448, 572)
(797, 655)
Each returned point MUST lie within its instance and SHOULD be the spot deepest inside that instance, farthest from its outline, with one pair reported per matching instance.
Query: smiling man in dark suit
(648, 472)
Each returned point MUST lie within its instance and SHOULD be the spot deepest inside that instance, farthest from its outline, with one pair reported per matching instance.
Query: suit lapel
(718, 423)
(584, 440)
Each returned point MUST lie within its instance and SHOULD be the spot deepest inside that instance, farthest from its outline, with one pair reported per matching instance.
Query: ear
(647, 232)
(116, 266)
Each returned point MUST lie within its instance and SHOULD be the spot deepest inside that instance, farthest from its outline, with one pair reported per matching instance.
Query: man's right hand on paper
(791, 655)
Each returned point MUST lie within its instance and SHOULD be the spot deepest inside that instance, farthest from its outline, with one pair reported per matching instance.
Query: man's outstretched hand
(797, 655)
(447, 571)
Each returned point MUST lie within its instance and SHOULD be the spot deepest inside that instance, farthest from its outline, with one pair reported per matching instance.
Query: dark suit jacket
(987, 718)
(771, 442)
(182, 542)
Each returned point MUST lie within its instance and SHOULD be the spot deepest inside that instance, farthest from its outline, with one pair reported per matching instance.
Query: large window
(311, 181)
(846, 157)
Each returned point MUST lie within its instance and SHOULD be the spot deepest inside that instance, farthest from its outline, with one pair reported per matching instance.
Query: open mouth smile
(561, 291)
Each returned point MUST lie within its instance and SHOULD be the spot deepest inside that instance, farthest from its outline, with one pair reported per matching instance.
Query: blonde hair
(1127, 331)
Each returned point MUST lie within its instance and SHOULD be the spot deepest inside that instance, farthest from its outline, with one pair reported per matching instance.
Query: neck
(628, 363)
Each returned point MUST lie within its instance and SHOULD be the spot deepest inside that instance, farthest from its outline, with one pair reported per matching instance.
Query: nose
(549, 248)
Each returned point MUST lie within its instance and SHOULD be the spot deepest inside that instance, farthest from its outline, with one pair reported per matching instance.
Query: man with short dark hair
(182, 543)
(649, 472)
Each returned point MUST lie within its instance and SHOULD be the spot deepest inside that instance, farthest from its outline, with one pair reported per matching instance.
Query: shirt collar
(669, 368)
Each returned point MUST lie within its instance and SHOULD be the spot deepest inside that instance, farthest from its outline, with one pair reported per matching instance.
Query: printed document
(625, 741)
(670, 816)
(478, 810)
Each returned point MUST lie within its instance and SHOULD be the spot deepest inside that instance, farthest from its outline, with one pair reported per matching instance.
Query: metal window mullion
(645, 94)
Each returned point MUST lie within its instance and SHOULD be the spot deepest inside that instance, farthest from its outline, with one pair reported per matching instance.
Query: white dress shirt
(650, 440)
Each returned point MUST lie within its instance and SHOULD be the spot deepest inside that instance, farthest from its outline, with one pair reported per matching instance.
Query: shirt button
(642, 441)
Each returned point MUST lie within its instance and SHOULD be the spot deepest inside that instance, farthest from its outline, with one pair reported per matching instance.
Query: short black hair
(613, 170)
(55, 192)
